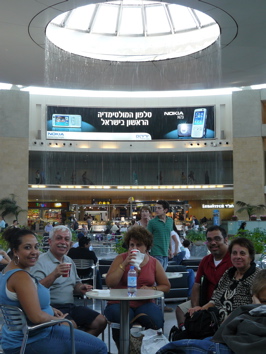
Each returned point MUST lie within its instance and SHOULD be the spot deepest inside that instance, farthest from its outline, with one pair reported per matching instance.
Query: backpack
(202, 324)
(176, 334)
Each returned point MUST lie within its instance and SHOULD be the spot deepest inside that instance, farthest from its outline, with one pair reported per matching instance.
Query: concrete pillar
(248, 153)
(14, 146)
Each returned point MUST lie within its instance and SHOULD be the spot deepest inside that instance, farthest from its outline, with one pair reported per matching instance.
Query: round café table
(124, 298)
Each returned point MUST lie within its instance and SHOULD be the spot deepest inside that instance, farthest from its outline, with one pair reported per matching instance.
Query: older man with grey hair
(50, 270)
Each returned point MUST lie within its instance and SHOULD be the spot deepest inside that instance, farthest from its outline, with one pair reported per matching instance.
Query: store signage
(217, 206)
(48, 205)
(89, 123)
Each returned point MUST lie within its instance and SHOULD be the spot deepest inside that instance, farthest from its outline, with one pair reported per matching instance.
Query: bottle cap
(131, 267)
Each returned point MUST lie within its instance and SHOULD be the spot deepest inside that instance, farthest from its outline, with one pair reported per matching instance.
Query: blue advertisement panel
(216, 217)
(83, 123)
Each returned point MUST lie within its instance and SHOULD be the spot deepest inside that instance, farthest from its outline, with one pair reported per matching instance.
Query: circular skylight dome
(133, 31)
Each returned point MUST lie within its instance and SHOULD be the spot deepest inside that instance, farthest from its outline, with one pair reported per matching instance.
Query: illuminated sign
(89, 123)
(217, 206)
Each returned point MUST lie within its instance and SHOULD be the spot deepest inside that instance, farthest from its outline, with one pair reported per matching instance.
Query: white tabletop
(122, 294)
(173, 275)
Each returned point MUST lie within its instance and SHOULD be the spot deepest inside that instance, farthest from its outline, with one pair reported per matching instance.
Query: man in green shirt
(161, 227)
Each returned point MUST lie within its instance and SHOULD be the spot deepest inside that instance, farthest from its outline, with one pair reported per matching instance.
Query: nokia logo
(179, 114)
(55, 134)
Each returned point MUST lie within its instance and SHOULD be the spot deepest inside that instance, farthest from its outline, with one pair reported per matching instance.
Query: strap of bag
(141, 315)
(138, 316)
(215, 319)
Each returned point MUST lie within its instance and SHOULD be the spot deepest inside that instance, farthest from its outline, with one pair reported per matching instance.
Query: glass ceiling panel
(131, 21)
(80, 18)
(133, 30)
(181, 18)
(157, 21)
(106, 19)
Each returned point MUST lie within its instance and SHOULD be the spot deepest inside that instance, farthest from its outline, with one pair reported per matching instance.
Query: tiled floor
(169, 318)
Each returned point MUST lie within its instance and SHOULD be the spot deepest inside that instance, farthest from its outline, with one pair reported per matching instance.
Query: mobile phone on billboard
(66, 121)
(199, 123)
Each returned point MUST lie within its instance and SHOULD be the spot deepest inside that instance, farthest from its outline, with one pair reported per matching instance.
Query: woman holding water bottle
(150, 275)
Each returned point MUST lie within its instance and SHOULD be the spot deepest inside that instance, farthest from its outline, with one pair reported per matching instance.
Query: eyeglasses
(215, 238)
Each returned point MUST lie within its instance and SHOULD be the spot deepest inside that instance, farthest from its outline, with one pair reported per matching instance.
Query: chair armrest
(51, 323)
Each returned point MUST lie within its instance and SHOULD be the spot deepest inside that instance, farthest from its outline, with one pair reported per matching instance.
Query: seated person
(83, 252)
(19, 288)
(242, 332)
(79, 236)
(186, 245)
(178, 254)
(234, 287)
(211, 267)
(49, 270)
(150, 276)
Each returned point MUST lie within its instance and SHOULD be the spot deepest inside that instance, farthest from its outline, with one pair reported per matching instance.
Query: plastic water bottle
(131, 281)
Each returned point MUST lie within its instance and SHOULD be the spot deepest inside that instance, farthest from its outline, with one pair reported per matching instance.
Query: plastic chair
(15, 320)
(86, 270)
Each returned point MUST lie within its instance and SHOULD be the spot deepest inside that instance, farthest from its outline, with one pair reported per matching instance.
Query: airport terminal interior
(102, 115)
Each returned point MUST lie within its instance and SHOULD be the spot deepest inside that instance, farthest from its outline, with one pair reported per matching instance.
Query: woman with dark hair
(151, 275)
(19, 288)
(145, 216)
(234, 288)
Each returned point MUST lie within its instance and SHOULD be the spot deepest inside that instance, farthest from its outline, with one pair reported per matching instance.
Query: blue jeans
(163, 260)
(59, 342)
(195, 346)
(154, 318)
(179, 257)
(191, 281)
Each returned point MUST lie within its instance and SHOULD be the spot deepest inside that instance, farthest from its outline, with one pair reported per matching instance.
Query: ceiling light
(133, 31)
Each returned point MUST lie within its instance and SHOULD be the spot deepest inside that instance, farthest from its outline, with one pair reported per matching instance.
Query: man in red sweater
(212, 267)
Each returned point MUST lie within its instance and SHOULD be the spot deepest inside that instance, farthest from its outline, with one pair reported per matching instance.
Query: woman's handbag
(135, 340)
(135, 343)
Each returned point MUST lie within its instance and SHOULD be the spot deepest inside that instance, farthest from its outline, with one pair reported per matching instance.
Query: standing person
(211, 268)
(73, 177)
(49, 270)
(37, 177)
(242, 226)
(160, 227)
(48, 228)
(84, 177)
(58, 177)
(19, 288)
(145, 216)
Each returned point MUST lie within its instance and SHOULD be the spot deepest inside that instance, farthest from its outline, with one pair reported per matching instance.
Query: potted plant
(263, 217)
(250, 209)
(234, 218)
(196, 236)
(258, 238)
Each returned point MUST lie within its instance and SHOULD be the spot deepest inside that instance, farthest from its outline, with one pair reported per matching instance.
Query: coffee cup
(138, 258)
(66, 270)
